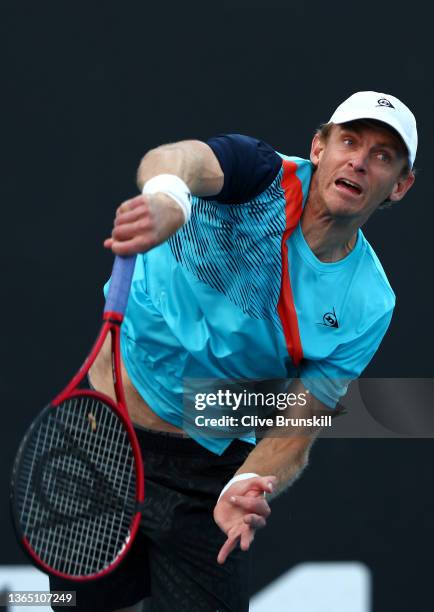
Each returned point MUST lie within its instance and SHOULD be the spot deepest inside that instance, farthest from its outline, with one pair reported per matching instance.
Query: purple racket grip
(120, 284)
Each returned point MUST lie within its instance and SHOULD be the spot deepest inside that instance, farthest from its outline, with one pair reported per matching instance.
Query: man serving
(251, 265)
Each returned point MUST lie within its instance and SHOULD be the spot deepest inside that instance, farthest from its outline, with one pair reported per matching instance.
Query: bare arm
(193, 161)
(284, 458)
(278, 459)
(285, 452)
(146, 221)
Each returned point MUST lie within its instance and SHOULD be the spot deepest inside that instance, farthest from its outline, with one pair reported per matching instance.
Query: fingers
(131, 215)
(127, 231)
(243, 530)
(246, 539)
(262, 484)
(130, 205)
(245, 510)
(254, 505)
(255, 521)
(144, 222)
(133, 229)
(266, 484)
(132, 218)
(129, 247)
(226, 549)
(244, 535)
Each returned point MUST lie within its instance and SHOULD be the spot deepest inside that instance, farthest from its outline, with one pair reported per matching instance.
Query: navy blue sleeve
(249, 166)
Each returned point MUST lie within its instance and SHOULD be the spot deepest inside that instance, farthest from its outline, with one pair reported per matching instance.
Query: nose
(358, 162)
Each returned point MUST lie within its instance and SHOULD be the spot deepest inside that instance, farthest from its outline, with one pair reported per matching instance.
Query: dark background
(86, 90)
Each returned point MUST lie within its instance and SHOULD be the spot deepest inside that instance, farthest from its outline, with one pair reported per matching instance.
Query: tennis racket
(78, 481)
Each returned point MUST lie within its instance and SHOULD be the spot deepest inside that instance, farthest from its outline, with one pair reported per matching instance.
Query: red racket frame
(111, 324)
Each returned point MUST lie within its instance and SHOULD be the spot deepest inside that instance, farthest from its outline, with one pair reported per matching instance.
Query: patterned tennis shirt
(238, 294)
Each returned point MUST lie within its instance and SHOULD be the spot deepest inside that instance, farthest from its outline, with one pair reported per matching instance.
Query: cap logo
(384, 102)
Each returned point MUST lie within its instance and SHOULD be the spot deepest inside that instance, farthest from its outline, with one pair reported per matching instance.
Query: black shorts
(173, 558)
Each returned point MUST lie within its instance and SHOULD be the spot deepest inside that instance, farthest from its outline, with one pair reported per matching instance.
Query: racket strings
(76, 498)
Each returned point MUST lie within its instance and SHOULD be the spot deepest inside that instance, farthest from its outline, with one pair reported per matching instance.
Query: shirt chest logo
(329, 319)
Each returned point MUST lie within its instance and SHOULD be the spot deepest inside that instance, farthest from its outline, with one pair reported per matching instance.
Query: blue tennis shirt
(238, 294)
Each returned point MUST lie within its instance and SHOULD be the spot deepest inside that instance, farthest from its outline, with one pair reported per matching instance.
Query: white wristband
(172, 186)
(237, 478)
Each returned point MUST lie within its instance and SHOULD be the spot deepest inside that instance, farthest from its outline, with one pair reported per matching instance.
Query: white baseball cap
(382, 107)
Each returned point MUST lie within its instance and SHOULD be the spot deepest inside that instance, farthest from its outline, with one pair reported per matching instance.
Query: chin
(343, 210)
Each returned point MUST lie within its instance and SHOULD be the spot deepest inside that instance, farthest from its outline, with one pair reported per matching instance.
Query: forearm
(147, 220)
(285, 458)
(193, 161)
(284, 452)
(277, 460)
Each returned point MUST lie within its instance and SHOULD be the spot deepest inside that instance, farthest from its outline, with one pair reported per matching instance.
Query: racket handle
(120, 284)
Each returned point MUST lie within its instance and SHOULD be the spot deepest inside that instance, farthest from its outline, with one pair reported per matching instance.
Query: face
(357, 169)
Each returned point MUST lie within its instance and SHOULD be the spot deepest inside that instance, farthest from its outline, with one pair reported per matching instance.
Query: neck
(328, 237)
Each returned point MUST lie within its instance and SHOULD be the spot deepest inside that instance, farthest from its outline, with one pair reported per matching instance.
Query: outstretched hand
(241, 510)
(143, 223)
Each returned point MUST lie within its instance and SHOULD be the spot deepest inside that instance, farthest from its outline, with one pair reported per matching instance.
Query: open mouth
(348, 186)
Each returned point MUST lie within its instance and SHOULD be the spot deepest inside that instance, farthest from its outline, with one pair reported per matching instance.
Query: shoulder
(249, 166)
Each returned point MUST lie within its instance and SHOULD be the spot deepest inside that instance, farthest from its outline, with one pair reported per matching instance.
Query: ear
(316, 149)
(401, 187)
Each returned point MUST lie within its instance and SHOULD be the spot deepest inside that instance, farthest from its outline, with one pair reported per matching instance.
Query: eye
(348, 141)
(383, 156)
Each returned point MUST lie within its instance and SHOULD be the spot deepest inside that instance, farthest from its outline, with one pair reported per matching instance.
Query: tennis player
(252, 265)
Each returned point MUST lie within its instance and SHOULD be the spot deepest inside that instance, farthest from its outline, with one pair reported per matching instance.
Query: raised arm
(147, 220)
(230, 168)
(192, 160)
